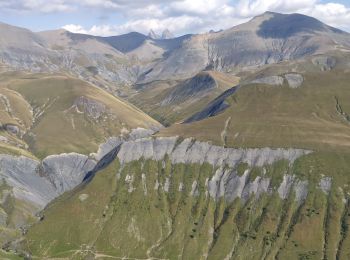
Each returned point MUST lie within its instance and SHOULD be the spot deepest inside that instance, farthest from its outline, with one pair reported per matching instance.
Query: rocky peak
(167, 34)
(153, 35)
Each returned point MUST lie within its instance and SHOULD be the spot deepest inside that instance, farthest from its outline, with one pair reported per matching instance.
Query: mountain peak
(166, 34)
(153, 35)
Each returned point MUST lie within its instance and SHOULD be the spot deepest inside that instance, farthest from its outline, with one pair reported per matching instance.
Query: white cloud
(183, 16)
(250, 8)
(100, 30)
(37, 5)
(333, 14)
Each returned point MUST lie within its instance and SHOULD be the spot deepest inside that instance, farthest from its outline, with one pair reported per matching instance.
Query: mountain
(175, 100)
(153, 35)
(262, 170)
(253, 162)
(250, 45)
(50, 126)
(55, 114)
(166, 34)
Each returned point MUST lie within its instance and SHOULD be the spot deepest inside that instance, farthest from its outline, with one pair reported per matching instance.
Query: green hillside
(103, 219)
(313, 116)
(56, 113)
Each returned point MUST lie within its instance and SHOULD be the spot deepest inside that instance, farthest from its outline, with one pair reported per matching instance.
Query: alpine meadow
(213, 144)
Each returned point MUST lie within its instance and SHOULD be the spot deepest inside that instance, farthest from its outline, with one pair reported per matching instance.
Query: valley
(223, 145)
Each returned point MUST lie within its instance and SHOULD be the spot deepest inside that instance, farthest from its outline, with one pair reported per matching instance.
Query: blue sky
(111, 17)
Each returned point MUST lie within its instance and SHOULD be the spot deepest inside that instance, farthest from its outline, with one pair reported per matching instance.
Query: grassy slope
(61, 128)
(151, 96)
(114, 222)
(261, 115)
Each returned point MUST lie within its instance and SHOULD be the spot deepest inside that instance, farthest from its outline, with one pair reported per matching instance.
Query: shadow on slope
(281, 26)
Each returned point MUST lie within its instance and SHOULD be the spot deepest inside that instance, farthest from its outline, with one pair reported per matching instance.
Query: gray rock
(107, 147)
(301, 190)
(294, 80)
(3, 139)
(39, 183)
(227, 184)
(190, 151)
(140, 132)
(83, 197)
(286, 185)
(325, 184)
(194, 190)
(324, 62)
(166, 185)
(13, 129)
(129, 180)
(66, 171)
(181, 187)
(21, 173)
(91, 107)
(3, 217)
(270, 80)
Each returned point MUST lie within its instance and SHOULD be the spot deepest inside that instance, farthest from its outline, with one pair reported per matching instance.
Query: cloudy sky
(112, 17)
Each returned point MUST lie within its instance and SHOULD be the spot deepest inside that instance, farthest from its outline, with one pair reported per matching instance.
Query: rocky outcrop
(226, 182)
(90, 107)
(21, 173)
(37, 182)
(112, 142)
(324, 62)
(191, 151)
(325, 184)
(294, 80)
(270, 80)
(66, 171)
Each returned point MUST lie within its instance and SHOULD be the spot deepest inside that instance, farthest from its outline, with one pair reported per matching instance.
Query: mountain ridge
(253, 163)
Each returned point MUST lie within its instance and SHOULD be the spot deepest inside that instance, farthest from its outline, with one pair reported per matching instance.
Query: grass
(150, 97)
(56, 126)
(272, 116)
(119, 223)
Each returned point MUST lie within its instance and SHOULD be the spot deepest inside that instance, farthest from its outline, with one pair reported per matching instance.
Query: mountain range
(224, 145)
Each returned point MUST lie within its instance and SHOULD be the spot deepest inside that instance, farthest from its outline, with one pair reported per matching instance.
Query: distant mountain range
(166, 34)
(136, 58)
(232, 144)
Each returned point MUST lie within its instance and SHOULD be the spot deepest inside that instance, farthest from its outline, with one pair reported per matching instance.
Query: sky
(114, 17)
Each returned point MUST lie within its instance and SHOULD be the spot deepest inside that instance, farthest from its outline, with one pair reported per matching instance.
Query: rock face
(166, 34)
(106, 61)
(271, 80)
(190, 151)
(226, 182)
(325, 184)
(66, 171)
(324, 62)
(39, 183)
(91, 107)
(266, 39)
(294, 80)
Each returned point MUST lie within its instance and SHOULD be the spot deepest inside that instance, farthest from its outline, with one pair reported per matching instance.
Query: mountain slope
(266, 39)
(254, 166)
(171, 101)
(193, 200)
(56, 113)
(265, 112)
